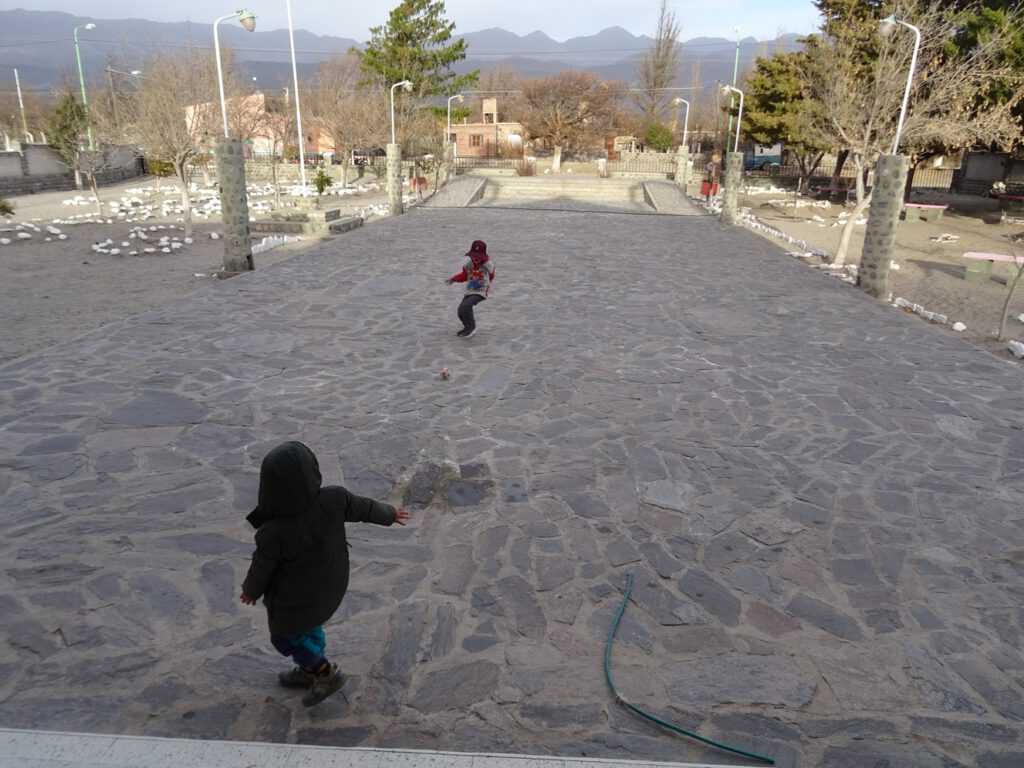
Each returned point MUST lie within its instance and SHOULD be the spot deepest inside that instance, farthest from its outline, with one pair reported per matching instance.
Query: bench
(829, 193)
(979, 265)
(1006, 202)
(923, 211)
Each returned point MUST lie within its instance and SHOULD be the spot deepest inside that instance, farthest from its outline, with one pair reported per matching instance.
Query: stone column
(234, 206)
(394, 179)
(449, 161)
(683, 167)
(883, 218)
(731, 191)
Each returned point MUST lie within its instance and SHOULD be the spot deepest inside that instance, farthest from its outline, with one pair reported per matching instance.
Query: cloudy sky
(762, 19)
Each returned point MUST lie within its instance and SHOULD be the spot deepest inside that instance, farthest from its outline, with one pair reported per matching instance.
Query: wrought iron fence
(923, 178)
(653, 167)
(468, 163)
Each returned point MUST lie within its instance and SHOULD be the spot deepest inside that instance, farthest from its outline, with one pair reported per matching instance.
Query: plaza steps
(522, 188)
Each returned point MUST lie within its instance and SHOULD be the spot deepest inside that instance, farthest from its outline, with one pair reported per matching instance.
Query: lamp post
(81, 81)
(461, 98)
(886, 27)
(298, 111)
(21, 106)
(407, 85)
(739, 115)
(248, 20)
(113, 91)
(686, 118)
(735, 75)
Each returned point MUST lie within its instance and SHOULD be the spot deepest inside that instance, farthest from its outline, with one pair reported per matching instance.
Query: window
(476, 140)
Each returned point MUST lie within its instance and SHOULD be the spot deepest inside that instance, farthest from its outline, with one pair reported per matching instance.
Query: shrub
(658, 137)
(322, 181)
(526, 168)
(6, 209)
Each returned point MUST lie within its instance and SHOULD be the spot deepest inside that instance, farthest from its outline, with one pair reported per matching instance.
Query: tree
(69, 129)
(413, 45)
(658, 137)
(568, 109)
(860, 106)
(778, 110)
(657, 69)
(176, 112)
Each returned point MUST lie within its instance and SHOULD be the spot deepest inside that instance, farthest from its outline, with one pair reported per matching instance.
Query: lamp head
(248, 19)
(677, 100)
(406, 86)
(90, 26)
(461, 98)
(887, 25)
(135, 72)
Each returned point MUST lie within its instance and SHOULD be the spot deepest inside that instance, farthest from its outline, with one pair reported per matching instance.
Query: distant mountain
(39, 45)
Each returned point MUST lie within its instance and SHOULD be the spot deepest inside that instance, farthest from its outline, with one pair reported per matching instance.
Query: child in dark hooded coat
(300, 567)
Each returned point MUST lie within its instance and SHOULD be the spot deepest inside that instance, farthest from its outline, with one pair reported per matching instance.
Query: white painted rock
(958, 326)
(1017, 348)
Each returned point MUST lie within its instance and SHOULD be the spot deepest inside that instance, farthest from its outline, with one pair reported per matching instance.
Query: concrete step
(547, 188)
(49, 749)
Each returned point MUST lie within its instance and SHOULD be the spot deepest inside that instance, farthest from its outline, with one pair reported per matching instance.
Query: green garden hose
(647, 715)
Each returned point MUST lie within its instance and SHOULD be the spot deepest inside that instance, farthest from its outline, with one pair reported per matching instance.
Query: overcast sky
(762, 19)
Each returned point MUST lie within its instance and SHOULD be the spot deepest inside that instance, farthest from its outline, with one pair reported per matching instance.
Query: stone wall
(39, 169)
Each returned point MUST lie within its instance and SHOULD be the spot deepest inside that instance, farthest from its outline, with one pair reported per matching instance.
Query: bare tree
(175, 112)
(569, 109)
(354, 116)
(861, 105)
(657, 69)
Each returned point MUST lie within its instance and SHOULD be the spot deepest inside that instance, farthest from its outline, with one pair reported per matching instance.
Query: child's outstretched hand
(448, 281)
(401, 515)
(246, 599)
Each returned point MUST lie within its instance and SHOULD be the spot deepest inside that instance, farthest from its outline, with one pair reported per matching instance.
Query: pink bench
(979, 265)
(915, 211)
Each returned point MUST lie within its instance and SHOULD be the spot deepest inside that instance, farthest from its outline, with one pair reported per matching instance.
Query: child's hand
(246, 599)
(448, 281)
(401, 515)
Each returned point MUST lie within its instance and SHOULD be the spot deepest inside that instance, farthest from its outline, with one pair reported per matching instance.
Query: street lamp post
(461, 98)
(113, 90)
(81, 81)
(735, 75)
(21, 106)
(407, 85)
(739, 115)
(886, 27)
(298, 111)
(686, 119)
(248, 20)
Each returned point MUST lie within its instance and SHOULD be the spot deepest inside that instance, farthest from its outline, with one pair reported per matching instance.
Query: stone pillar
(234, 206)
(449, 161)
(883, 218)
(731, 191)
(394, 179)
(683, 167)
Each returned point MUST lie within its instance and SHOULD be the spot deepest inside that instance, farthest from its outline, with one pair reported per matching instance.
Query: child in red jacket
(478, 274)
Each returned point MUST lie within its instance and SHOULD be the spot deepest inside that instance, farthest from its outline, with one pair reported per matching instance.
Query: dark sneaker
(323, 686)
(464, 332)
(470, 332)
(297, 677)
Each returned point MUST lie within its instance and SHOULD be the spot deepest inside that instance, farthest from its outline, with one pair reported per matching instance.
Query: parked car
(763, 157)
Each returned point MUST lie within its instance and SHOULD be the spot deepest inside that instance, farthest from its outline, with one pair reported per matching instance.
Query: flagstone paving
(819, 498)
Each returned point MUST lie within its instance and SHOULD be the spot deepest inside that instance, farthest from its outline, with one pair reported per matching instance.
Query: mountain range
(39, 45)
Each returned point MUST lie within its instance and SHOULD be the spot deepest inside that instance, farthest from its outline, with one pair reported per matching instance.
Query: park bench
(830, 193)
(979, 265)
(1008, 202)
(925, 211)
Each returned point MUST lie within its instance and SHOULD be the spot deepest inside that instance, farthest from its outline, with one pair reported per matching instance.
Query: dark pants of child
(469, 301)
(306, 649)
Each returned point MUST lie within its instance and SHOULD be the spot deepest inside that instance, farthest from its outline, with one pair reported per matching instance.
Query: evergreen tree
(413, 45)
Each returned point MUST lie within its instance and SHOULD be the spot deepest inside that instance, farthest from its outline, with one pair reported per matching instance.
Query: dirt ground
(53, 289)
(931, 267)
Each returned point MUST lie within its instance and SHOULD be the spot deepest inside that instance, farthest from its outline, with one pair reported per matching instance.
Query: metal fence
(923, 178)
(659, 166)
(468, 163)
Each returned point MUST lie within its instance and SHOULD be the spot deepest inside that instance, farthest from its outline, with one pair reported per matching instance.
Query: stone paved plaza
(819, 498)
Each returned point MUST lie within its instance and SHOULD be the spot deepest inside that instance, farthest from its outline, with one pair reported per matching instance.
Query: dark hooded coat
(300, 567)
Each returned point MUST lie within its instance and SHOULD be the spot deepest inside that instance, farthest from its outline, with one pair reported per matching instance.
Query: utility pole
(113, 97)
(21, 104)
(735, 75)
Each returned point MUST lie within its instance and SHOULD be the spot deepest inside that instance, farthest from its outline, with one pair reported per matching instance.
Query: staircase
(627, 193)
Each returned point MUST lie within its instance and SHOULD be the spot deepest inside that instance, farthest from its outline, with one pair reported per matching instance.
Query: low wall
(40, 169)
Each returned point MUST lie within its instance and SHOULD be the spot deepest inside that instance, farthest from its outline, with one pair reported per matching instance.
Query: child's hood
(289, 482)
